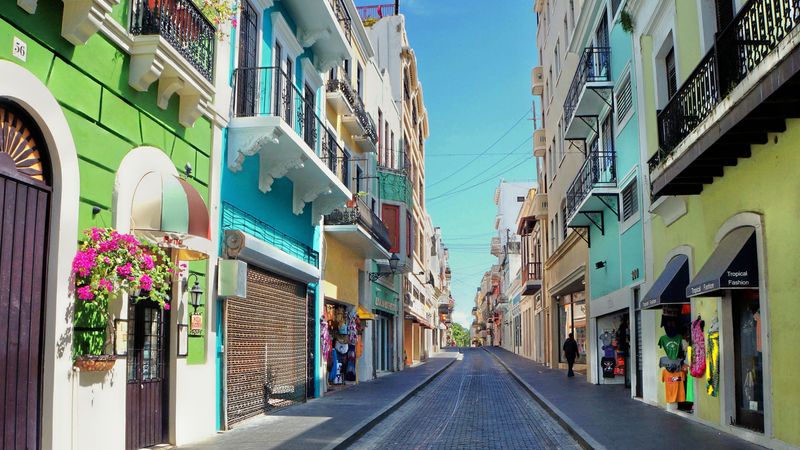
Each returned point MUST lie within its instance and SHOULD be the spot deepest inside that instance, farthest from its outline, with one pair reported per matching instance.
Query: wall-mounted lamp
(393, 262)
(599, 264)
(195, 292)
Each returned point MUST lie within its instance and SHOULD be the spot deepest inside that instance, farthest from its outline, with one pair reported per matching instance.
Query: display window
(572, 319)
(613, 337)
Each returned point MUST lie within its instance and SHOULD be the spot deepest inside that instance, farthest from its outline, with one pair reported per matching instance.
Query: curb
(584, 439)
(354, 433)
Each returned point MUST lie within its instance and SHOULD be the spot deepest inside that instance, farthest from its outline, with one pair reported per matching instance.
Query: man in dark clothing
(570, 352)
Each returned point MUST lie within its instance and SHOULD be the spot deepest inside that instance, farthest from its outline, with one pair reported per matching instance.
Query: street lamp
(195, 292)
(394, 260)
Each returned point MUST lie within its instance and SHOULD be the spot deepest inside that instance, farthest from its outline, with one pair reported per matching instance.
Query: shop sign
(196, 324)
(385, 304)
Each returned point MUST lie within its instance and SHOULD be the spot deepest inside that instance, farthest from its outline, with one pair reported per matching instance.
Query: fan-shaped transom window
(21, 145)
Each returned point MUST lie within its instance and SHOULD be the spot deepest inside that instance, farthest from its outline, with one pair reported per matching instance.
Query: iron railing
(363, 215)
(377, 11)
(343, 17)
(336, 158)
(594, 67)
(755, 32)
(343, 85)
(182, 24)
(269, 91)
(234, 218)
(598, 169)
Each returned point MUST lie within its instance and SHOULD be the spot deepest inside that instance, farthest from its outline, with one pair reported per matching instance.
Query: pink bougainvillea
(109, 262)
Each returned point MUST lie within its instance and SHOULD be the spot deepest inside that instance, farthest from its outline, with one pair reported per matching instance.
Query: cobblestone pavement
(475, 404)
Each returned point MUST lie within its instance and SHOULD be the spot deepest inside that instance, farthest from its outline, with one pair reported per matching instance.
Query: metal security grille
(266, 346)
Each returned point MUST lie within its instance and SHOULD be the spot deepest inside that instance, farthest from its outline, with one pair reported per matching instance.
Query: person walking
(570, 352)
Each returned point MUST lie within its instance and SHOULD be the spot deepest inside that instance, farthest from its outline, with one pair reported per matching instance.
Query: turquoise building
(283, 171)
(604, 201)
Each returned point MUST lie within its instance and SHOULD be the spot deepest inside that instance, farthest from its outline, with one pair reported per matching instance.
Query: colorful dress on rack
(697, 361)
(712, 367)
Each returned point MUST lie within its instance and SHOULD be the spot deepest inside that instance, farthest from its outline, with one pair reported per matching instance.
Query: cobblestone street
(473, 404)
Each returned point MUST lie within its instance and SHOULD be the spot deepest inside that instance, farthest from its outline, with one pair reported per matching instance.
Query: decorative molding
(310, 73)
(308, 38)
(283, 34)
(300, 198)
(153, 58)
(271, 170)
(82, 18)
(669, 208)
(28, 5)
(250, 148)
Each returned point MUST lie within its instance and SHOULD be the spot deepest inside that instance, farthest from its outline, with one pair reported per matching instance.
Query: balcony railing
(377, 11)
(343, 17)
(343, 85)
(182, 24)
(269, 91)
(234, 218)
(533, 272)
(361, 214)
(599, 168)
(594, 66)
(335, 158)
(756, 31)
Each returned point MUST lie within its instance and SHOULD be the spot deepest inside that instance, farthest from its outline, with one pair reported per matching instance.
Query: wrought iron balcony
(598, 170)
(738, 50)
(335, 158)
(594, 67)
(377, 12)
(182, 24)
(269, 91)
(356, 106)
(362, 215)
(343, 18)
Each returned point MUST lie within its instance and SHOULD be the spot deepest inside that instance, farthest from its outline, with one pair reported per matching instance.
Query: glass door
(748, 360)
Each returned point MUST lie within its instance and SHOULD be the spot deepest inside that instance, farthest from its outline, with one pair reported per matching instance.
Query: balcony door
(248, 53)
(309, 128)
(283, 84)
(600, 63)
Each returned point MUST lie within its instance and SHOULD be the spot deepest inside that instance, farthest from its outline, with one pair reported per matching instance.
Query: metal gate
(24, 216)
(266, 346)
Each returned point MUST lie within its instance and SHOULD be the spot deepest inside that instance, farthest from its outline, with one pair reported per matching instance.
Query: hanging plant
(219, 12)
(626, 21)
(107, 264)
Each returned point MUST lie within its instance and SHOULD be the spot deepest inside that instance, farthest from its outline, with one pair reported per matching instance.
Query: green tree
(460, 335)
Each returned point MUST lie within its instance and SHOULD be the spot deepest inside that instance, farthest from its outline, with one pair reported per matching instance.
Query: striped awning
(169, 212)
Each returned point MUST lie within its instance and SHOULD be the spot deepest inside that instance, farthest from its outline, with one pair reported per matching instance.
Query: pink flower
(148, 262)
(166, 306)
(84, 261)
(85, 293)
(108, 246)
(106, 284)
(145, 282)
(125, 270)
(107, 260)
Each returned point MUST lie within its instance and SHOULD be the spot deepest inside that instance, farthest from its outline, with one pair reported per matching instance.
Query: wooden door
(24, 215)
(147, 396)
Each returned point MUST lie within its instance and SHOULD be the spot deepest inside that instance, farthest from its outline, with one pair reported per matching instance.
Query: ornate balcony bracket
(253, 145)
(154, 59)
(272, 168)
(81, 19)
(308, 194)
(324, 63)
(307, 38)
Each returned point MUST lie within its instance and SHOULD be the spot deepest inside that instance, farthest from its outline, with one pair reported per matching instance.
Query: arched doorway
(25, 188)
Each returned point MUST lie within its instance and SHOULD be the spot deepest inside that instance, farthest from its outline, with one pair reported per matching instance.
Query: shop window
(572, 319)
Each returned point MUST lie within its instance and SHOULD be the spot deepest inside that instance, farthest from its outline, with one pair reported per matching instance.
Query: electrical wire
(457, 171)
(486, 180)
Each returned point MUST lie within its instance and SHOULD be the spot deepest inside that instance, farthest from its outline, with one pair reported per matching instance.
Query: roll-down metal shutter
(266, 332)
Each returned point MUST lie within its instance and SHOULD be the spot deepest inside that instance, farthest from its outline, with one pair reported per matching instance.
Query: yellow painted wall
(765, 184)
(340, 274)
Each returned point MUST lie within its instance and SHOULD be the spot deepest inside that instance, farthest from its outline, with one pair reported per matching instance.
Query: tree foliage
(460, 335)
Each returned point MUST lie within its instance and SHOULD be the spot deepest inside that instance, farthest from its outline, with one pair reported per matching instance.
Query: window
(520, 199)
(615, 7)
(572, 12)
(566, 31)
(380, 141)
(560, 142)
(390, 215)
(624, 98)
(392, 155)
(556, 59)
(552, 235)
(386, 156)
(359, 178)
(347, 70)
(630, 200)
(360, 80)
(409, 235)
(672, 77)
(564, 227)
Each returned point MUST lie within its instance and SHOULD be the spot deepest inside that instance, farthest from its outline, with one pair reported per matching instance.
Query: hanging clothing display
(689, 382)
(674, 388)
(342, 331)
(671, 345)
(697, 366)
(608, 365)
(712, 366)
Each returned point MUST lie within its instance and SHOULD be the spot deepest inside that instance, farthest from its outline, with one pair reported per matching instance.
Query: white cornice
(283, 33)
(83, 18)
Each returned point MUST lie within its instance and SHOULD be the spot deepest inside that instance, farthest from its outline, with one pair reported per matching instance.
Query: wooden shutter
(630, 200)
(390, 214)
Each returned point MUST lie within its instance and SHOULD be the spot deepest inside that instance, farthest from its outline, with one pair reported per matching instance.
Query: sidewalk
(606, 416)
(332, 420)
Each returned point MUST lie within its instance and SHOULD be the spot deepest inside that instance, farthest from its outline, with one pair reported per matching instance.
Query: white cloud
(461, 317)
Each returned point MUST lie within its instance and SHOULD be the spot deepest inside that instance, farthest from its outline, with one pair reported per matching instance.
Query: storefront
(386, 306)
(342, 335)
(572, 319)
(613, 337)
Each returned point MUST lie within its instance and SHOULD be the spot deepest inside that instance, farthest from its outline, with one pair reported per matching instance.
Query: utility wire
(486, 180)
(485, 151)
(495, 163)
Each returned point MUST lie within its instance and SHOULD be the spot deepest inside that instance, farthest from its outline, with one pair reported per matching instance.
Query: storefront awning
(732, 265)
(670, 287)
(363, 314)
(169, 212)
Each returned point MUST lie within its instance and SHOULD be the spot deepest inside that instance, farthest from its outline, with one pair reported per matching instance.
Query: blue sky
(474, 59)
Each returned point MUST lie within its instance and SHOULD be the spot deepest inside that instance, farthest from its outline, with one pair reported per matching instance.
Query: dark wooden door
(246, 92)
(24, 216)
(147, 396)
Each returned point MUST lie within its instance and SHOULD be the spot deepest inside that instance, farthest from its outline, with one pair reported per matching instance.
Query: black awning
(732, 265)
(670, 286)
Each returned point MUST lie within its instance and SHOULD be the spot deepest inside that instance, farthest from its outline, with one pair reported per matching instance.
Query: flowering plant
(109, 262)
(219, 12)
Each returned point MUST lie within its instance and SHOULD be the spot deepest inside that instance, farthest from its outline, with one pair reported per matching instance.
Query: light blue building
(283, 171)
(604, 201)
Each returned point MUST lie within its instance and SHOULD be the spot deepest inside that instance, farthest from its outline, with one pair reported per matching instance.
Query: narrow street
(474, 404)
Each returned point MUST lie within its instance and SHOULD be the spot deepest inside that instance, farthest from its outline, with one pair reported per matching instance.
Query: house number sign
(19, 49)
